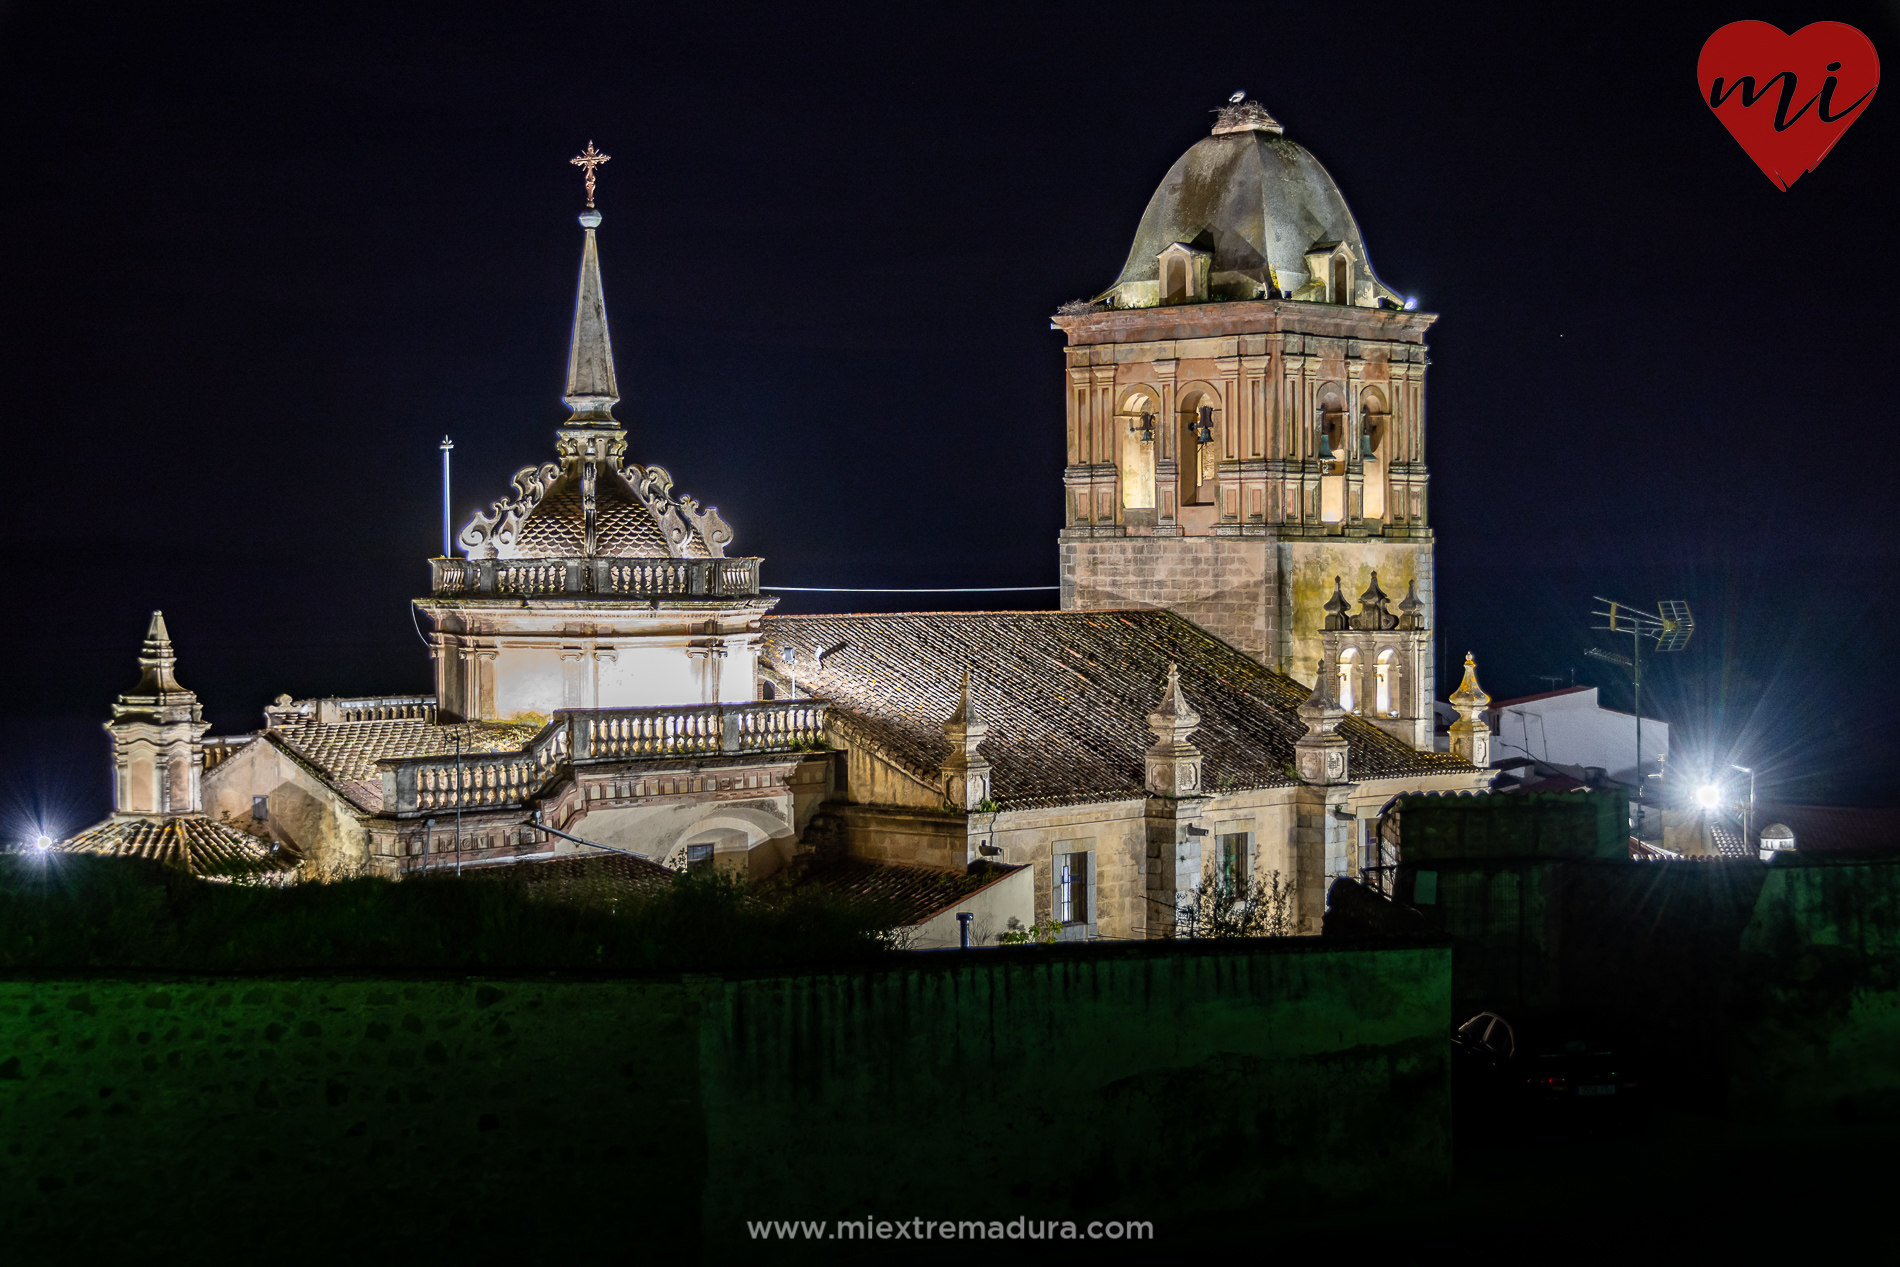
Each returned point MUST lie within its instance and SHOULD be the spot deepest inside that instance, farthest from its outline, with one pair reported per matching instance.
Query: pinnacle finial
(966, 713)
(1322, 698)
(1469, 694)
(592, 388)
(157, 661)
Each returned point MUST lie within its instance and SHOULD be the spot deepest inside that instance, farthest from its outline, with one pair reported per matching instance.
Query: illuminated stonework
(593, 584)
(1283, 386)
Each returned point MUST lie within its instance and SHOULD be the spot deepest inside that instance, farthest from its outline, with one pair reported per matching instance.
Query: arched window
(1197, 464)
(1340, 294)
(1349, 680)
(1140, 414)
(1385, 691)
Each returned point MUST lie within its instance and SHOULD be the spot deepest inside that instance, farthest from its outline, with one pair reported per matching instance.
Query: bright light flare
(42, 843)
(1708, 796)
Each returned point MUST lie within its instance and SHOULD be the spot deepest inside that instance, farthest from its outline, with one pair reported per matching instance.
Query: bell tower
(1246, 427)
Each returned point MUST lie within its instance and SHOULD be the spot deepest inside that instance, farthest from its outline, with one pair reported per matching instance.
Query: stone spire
(965, 773)
(1321, 752)
(157, 729)
(157, 662)
(1173, 765)
(1470, 737)
(592, 390)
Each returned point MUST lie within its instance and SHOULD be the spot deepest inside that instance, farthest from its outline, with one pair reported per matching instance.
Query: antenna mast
(1669, 628)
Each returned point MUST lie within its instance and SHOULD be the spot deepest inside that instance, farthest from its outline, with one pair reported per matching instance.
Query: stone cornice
(1237, 317)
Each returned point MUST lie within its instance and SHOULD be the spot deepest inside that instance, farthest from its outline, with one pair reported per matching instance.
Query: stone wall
(1263, 597)
(302, 811)
(1226, 586)
(413, 1119)
(1771, 989)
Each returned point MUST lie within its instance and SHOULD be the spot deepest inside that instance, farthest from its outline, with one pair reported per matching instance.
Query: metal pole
(447, 444)
(1636, 682)
(1748, 810)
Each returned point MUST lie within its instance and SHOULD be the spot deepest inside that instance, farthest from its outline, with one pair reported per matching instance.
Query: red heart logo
(1787, 98)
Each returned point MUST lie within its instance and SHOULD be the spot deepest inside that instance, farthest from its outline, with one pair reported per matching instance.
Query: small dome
(1259, 204)
(623, 527)
(1778, 831)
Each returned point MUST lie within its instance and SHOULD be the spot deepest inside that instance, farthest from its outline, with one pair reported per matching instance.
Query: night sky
(254, 265)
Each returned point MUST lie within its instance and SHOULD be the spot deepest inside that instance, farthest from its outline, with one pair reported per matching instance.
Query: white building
(1570, 728)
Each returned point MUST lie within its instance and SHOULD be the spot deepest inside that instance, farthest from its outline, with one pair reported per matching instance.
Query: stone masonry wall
(1224, 585)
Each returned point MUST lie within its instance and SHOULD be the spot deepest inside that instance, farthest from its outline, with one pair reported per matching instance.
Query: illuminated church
(1238, 682)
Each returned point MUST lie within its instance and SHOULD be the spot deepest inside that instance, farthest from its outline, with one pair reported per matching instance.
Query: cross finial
(588, 160)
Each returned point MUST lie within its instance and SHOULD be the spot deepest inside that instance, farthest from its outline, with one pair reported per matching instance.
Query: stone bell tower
(1246, 423)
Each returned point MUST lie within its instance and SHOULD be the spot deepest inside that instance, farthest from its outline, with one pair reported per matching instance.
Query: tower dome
(1247, 213)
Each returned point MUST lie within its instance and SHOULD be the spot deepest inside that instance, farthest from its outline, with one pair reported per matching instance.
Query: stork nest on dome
(1245, 116)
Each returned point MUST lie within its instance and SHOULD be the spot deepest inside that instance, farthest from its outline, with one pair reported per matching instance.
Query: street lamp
(1708, 796)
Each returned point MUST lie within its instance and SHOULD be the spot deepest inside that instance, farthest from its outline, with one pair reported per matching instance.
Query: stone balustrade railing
(332, 712)
(220, 748)
(414, 786)
(599, 578)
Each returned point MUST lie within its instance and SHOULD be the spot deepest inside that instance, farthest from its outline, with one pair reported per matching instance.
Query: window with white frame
(1072, 886)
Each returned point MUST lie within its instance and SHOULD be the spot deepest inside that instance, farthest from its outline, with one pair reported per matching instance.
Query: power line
(974, 589)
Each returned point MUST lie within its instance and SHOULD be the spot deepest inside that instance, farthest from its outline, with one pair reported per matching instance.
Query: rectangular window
(260, 809)
(1072, 888)
(1232, 852)
(698, 857)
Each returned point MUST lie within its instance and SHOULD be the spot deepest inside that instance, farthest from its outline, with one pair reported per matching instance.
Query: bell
(1326, 453)
(1147, 428)
(1204, 429)
(1366, 454)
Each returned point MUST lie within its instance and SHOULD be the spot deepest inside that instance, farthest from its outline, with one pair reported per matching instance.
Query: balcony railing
(361, 708)
(600, 578)
(501, 780)
(220, 748)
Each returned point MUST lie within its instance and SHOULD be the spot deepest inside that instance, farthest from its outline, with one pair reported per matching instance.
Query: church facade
(1245, 420)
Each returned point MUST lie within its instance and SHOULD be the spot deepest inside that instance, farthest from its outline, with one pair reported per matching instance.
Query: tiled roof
(203, 846)
(346, 753)
(589, 875)
(557, 526)
(1066, 696)
(913, 894)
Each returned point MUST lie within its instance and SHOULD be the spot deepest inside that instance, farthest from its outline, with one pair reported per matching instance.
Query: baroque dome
(1261, 205)
(623, 527)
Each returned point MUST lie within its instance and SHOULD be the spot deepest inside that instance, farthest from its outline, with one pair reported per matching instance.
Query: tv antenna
(1669, 629)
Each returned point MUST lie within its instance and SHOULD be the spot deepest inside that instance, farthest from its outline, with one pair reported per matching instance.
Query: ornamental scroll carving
(493, 533)
(713, 530)
(678, 517)
(495, 528)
